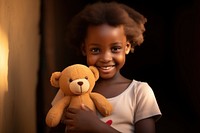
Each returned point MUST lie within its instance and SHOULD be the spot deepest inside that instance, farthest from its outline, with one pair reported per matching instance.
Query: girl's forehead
(105, 31)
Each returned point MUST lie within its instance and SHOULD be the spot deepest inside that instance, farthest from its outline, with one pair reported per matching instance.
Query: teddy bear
(76, 82)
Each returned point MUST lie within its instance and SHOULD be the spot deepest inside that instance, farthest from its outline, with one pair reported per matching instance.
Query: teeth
(106, 68)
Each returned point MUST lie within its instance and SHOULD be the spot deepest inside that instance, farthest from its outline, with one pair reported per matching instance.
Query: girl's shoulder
(136, 84)
(137, 87)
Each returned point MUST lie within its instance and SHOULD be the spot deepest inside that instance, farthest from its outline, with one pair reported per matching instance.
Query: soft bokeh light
(3, 73)
(3, 61)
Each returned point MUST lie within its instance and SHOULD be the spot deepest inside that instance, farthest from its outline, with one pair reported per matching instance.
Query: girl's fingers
(70, 114)
(72, 110)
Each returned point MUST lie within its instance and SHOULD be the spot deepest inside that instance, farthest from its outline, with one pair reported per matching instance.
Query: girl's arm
(145, 126)
(85, 120)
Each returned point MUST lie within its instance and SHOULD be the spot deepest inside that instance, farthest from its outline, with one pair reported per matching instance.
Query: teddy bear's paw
(51, 120)
(107, 112)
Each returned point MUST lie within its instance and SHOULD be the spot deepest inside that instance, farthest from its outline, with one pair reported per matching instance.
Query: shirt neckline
(129, 86)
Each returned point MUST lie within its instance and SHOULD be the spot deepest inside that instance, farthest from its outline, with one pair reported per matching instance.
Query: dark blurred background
(169, 58)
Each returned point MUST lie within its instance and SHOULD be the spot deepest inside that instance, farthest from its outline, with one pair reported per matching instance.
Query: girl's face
(106, 47)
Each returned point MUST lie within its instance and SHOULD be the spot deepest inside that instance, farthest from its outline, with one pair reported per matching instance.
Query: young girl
(106, 33)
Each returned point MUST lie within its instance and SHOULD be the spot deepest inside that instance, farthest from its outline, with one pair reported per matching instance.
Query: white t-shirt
(137, 102)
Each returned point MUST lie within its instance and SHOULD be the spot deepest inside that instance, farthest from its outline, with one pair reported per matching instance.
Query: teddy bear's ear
(95, 72)
(55, 79)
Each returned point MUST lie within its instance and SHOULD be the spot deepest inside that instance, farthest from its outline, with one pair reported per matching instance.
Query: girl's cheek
(91, 60)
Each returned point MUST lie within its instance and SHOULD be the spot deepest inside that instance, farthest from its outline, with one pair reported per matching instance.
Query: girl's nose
(106, 57)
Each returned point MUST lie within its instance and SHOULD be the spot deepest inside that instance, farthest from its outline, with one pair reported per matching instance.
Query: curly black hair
(111, 13)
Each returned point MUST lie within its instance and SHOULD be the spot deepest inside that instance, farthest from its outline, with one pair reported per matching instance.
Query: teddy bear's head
(76, 83)
(76, 79)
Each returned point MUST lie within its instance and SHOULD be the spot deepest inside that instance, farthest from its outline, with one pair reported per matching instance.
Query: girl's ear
(83, 49)
(128, 47)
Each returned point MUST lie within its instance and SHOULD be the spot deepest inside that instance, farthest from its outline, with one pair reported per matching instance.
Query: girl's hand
(81, 120)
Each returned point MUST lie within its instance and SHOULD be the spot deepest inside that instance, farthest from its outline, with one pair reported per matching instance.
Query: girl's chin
(107, 76)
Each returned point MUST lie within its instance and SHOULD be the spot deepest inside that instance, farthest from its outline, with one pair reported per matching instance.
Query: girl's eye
(95, 50)
(116, 49)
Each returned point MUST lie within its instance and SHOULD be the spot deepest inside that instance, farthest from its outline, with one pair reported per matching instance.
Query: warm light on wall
(3, 61)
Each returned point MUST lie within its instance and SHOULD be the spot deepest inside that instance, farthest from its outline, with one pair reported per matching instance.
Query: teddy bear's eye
(70, 80)
(86, 77)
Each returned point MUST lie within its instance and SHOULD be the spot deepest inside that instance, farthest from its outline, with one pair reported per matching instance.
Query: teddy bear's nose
(80, 83)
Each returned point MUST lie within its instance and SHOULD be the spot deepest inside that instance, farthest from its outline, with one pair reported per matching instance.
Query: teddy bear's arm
(55, 113)
(102, 104)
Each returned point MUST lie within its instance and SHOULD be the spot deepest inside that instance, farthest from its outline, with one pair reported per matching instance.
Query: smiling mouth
(106, 67)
